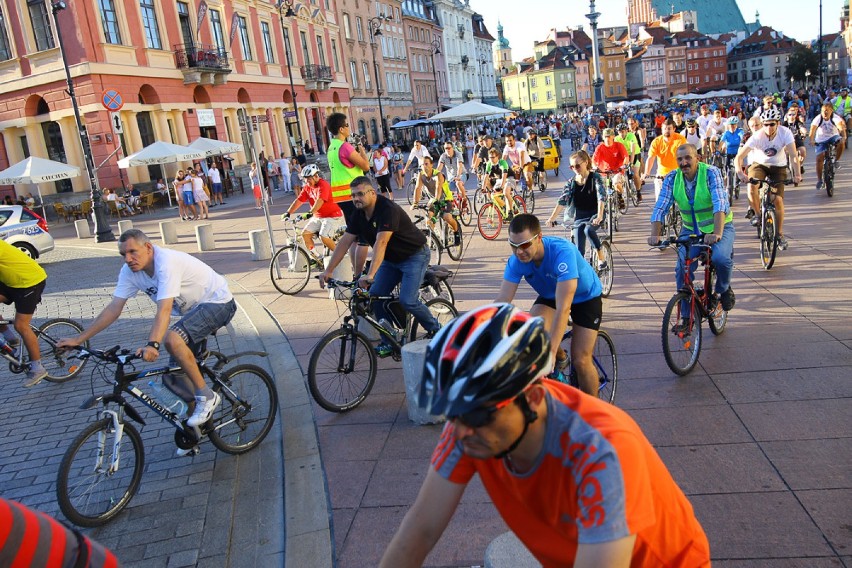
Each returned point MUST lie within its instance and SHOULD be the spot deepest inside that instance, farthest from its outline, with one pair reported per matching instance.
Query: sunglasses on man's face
(524, 245)
(770, 124)
(480, 417)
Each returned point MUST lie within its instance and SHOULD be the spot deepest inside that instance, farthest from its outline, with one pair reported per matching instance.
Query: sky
(798, 19)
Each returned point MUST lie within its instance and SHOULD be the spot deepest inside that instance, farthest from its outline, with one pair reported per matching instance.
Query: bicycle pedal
(191, 452)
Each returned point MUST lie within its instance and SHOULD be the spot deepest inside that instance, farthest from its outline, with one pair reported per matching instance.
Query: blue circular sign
(112, 100)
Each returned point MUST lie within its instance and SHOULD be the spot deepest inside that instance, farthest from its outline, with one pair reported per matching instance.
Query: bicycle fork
(118, 433)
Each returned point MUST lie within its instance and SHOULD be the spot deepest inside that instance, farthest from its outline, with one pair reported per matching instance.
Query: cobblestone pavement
(211, 510)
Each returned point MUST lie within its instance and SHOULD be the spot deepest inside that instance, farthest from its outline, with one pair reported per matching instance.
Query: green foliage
(803, 59)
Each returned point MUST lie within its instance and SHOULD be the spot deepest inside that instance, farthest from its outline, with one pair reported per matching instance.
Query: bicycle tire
(718, 318)
(454, 251)
(489, 222)
(76, 500)
(332, 385)
(634, 194)
(290, 269)
(57, 361)
(443, 311)
(681, 348)
(624, 205)
(611, 221)
(409, 189)
(828, 176)
(480, 199)
(232, 432)
(438, 290)
(465, 211)
(606, 274)
(768, 239)
(520, 204)
(606, 363)
(528, 195)
(436, 248)
(677, 221)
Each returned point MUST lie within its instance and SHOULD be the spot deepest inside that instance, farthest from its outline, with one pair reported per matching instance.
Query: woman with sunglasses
(575, 478)
(587, 196)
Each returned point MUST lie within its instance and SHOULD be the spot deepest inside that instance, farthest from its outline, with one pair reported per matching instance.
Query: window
(347, 28)
(535, 97)
(533, 82)
(366, 69)
(216, 25)
(244, 38)
(321, 51)
(334, 55)
(353, 72)
(267, 42)
(549, 95)
(547, 80)
(359, 28)
(42, 32)
(5, 47)
(149, 22)
(109, 20)
(306, 52)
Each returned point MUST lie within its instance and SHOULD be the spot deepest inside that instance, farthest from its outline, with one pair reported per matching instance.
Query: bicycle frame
(702, 300)
(598, 365)
(362, 302)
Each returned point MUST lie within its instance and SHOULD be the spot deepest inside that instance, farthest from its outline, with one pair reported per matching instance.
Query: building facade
(706, 61)
(421, 29)
(758, 64)
(483, 43)
(456, 19)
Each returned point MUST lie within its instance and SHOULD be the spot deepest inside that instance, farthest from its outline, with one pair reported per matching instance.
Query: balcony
(202, 64)
(317, 77)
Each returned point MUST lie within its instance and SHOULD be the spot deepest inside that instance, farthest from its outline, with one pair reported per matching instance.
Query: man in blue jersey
(567, 286)
(731, 140)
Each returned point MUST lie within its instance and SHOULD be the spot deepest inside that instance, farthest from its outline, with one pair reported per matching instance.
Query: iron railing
(196, 55)
(316, 73)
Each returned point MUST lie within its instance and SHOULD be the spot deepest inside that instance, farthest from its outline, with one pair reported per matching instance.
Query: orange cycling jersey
(665, 151)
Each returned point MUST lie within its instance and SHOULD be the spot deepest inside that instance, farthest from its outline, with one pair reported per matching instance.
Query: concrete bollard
(506, 551)
(413, 361)
(168, 232)
(344, 272)
(261, 249)
(82, 227)
(124, 226)
(204, 237)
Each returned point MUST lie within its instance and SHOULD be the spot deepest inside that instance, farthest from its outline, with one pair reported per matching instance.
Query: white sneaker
(180, 452)
(203, 409)
(34, 377)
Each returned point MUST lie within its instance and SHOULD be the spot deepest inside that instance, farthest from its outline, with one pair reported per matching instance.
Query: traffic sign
(112, 100)
(115, 120)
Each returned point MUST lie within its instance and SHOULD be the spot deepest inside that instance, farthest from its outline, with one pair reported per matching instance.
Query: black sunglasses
(480, 417)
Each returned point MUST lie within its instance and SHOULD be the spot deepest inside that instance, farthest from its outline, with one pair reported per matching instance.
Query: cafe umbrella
(37, 170)
(160, 153)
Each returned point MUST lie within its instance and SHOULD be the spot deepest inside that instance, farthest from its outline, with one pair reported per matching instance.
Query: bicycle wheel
(828, 175)
(443, 312)
(435, 247)
(489, 221)
(342, 370)
(677, 221)
(290, 269)
(718, 318)
(248, 409)
(606, 274)
(454, 250)
(59, 363)
(480, 198)
(520, 205)
(681, 335)
(528, 195)
(612, 221)
(634, 196)
(97, 477)
(623, 203)
(439, 290)
(465, 211)
(768, 239)
(606, 364)
(409, 189)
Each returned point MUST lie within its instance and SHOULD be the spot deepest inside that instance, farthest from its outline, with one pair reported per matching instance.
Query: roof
(764, 40)
(689, 35)
(714, 17)
(479, 28)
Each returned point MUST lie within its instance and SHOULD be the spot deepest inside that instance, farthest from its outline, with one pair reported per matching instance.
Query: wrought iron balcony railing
(198, 56)
(316, 73)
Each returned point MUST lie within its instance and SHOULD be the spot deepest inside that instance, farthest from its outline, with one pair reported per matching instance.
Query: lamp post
(375, 27)
(597, 83)
(436, 50)
(481, 62)
(290, 13)
(807, 78)
(103, 231)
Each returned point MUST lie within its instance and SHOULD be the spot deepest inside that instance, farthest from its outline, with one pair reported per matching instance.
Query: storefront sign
(205, 117)
(289, 114)
(367, 109)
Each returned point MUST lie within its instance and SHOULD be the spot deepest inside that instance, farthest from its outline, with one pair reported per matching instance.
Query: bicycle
(828, 168)
(425, 194)
(443, 239)
(611, 209)
(767, 225)
(691, 304)
(606, 363)
(732, 182)
(539, 177)
(590, 254)
(102, 468)
(490, 218)
(630, 190)
(527, 193)
(291, 265)
(57, 362)
(342, 368)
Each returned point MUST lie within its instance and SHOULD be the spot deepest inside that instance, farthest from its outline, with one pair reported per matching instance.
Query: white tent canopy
(469, 111)
(212, 147)
(37, 170)
(160, 153)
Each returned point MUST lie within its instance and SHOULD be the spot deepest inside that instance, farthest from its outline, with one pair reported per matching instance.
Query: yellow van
(551, 154)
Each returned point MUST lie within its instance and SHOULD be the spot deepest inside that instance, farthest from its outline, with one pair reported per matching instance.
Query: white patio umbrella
(469, 111)
(37, 170)
(213, 147)
(161, 153)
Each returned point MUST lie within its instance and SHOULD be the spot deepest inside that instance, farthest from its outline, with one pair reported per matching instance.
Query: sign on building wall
(202, 11)
(205, 117)
(234, 23)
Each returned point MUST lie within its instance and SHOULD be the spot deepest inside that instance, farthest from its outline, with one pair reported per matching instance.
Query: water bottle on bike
(168, 399)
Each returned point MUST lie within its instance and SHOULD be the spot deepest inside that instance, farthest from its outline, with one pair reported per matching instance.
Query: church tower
(502, 53)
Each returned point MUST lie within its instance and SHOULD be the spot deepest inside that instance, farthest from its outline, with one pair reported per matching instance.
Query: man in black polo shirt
(400, 254)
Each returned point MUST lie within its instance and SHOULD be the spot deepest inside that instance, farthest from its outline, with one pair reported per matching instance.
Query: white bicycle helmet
(733, 120)
(308, 171)
(771, 113)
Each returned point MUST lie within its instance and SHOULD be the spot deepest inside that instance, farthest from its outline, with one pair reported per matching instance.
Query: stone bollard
(344, 272)
(168, 232)
(261, 249)
(204, 237)
(413, 360)
(124, 226)
(82, 227)
(506, 551)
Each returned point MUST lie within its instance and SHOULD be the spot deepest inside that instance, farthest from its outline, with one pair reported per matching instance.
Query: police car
(25, 230)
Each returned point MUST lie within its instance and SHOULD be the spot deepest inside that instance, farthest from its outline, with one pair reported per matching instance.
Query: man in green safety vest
(699, 193)
(843, 106)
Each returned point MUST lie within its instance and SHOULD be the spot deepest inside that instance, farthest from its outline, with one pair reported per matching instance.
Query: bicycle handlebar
(755, 181)
(113, 355)
(691, 240)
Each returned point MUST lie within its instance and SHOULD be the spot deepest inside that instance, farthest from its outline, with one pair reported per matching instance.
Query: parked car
(25, 230)
(551, 153)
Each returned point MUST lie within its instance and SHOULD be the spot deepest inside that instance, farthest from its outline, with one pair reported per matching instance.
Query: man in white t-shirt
(181, 285)
(515, 154)
(827, 128)
(715, 129)
(771, 148)
(216, 185)
(419, 151)
(284, 169)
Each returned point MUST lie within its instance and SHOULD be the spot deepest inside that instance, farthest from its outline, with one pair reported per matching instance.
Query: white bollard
(261, 249)
(204, 237)
(124, 226)
(343, 271)
(413, 361)
(507, 551)
(82, 227)
(168, 232)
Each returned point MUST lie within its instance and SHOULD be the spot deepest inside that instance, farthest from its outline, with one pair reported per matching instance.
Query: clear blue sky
(798, 19)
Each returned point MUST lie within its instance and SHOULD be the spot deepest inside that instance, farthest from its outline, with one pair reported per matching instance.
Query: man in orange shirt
(612, 156)
(573, 476)
(663, 148)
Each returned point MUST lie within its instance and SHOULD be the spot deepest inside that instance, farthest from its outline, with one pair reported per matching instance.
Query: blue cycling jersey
(562, 261)
(732, 141)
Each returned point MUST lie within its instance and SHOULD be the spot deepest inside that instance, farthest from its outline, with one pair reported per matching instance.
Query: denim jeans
(408, 274)
(722, 256)
(584, 229)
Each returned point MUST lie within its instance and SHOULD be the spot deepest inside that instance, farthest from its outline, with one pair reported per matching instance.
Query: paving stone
(796, 420)
(830, 510)
(812, 464)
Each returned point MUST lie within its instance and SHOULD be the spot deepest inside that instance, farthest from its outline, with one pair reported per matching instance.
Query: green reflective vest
(341, 176)
(702, 206)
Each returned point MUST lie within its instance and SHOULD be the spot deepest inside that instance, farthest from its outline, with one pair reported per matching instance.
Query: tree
(802, 59)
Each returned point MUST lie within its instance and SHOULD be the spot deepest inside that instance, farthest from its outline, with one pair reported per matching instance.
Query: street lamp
(807, 78)
(103, 231)
(375, 25)
(436, 50)
(290, 14)
(598, 80)
(481, 62)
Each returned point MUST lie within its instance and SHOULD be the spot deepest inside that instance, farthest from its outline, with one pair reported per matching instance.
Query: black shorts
(586, 314)
(25, 299)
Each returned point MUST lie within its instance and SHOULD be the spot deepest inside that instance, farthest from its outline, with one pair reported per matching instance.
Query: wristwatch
(154, 344)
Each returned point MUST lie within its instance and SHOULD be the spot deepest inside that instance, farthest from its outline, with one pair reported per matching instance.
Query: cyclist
(631, 144)
(694, 136)
(611, 156)
(843, 106)
(663, 148)
(441, 200)
(400, 255)
(715, 129)
(768, 103)
(453, 167)
(574, 477)
(703, 119)
(796, 123)
(515, 154)
(535, 151)
(567, 287)
(679, 122)
(326, 217)
(773, 146)
(497, 178)
(419, 151)
(481, 157)
(641, 134)
(698, 192)
(182, 285)
(826, 128)
(731, 141)
(586, 195)
(22, 282)
(592, 140)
